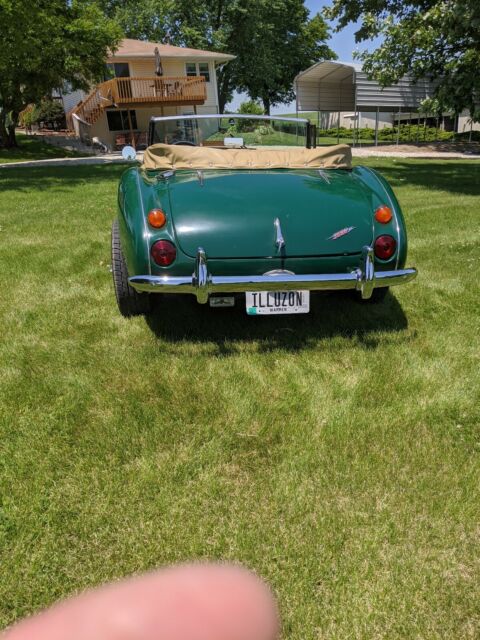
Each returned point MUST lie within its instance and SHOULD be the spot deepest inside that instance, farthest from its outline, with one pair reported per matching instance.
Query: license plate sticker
(277, 302)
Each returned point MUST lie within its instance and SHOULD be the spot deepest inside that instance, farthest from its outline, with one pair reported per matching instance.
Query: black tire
(377, 296)
(130, 302)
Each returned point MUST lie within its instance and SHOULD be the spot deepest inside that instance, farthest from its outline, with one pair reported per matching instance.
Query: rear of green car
(267, 235)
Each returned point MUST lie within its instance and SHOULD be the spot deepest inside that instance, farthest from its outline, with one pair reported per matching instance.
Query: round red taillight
(163, 252)
(385, 247)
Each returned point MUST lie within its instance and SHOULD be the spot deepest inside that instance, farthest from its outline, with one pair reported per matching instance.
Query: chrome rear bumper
(201, 284)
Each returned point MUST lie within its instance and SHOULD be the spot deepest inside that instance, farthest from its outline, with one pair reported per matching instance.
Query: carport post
(376, 128)
(398, 125)
(338, 128)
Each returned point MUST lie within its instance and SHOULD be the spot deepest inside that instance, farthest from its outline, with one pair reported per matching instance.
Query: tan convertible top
(165, 156)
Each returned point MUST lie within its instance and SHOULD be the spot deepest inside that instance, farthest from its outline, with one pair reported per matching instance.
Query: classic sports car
(244, 208)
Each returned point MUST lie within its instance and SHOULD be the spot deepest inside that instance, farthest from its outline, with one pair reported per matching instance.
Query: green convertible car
(246, 210)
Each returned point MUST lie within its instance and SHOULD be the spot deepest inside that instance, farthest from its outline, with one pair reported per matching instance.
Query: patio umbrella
(158, 63)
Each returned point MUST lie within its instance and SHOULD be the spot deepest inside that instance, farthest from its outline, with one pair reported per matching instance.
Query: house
(118, 110)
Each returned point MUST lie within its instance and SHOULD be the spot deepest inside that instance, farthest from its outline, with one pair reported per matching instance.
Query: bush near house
(48, 114)
(408, 133)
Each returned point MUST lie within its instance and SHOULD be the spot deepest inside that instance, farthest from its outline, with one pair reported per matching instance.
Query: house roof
(129, 48)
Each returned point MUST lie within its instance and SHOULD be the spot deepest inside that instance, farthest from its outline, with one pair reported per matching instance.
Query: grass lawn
(337, 454)
(34, 148)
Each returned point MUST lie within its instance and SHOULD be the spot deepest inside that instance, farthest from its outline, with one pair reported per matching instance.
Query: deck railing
(159, 89)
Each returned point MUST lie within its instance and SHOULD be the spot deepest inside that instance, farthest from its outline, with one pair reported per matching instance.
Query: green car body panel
(230, 214)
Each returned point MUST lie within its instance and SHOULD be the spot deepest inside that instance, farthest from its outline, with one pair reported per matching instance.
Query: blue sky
(343, 43)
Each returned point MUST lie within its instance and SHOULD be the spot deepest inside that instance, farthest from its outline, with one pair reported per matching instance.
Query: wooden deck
(138, 92)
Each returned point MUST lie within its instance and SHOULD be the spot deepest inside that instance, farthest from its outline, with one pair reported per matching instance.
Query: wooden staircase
(90, 109)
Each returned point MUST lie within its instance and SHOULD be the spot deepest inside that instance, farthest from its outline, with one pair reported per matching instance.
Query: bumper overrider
(201, 283)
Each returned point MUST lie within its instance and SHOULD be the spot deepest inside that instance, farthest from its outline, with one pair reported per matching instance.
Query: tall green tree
(272, 39)
(152, 20)
(439, 39)
(44, 44)
(284, 41)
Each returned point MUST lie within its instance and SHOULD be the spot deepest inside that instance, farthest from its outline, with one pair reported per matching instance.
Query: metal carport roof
(344, 86)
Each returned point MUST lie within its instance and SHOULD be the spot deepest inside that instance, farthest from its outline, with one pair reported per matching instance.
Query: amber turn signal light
(157, 218)
(383, 214)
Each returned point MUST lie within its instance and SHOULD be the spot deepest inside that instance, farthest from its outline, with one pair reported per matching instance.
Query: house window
(198, 69)
(118, 120)
(122, 70)
(191, 69)
(117, 70)
(204, 71)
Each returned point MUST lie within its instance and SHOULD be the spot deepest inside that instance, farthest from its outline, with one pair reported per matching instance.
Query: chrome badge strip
(341, 233)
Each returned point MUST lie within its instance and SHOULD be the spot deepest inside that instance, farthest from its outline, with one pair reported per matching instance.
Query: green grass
(337, 454)
(34, 148)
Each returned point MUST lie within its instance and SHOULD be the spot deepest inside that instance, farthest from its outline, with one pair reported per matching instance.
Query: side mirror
(129, 153)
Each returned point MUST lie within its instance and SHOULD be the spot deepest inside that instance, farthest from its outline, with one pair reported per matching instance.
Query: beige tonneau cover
(166, 156)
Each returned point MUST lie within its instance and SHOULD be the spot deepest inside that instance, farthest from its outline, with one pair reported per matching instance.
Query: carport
(336, 87)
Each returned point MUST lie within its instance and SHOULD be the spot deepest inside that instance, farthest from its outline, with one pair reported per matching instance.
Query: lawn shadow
(58, 178)
(181, 319)
(453, 176)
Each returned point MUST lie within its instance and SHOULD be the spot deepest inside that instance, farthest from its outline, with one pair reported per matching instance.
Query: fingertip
(186, 602)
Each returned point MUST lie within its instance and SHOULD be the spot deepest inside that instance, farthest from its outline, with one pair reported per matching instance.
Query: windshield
(231, 130)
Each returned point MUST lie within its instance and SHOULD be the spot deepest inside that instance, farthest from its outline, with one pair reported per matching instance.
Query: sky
(343, 43)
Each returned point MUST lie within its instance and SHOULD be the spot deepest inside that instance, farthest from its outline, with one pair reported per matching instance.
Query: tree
(147, 20)
(44, 44)
(272, 39)
(283, 43)
(439, 39)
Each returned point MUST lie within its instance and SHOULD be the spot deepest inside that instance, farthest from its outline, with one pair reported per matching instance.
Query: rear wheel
(130, 302)
(378, 295)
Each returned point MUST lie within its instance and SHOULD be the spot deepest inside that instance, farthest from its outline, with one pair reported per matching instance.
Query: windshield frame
(311, 129)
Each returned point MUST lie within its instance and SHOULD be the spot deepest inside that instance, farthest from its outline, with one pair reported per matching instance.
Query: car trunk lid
(232, 214)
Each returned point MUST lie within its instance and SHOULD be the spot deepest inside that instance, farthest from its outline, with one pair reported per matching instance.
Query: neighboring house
(118, 110)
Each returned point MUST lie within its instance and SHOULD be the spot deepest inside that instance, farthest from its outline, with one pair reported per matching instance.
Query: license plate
(277, 302)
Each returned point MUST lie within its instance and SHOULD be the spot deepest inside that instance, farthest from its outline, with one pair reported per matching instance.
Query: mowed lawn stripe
(335, 453)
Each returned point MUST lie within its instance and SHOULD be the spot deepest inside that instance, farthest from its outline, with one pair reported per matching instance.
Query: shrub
(407, 133)
(264, 130)
(249, 108)
(50, 113)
